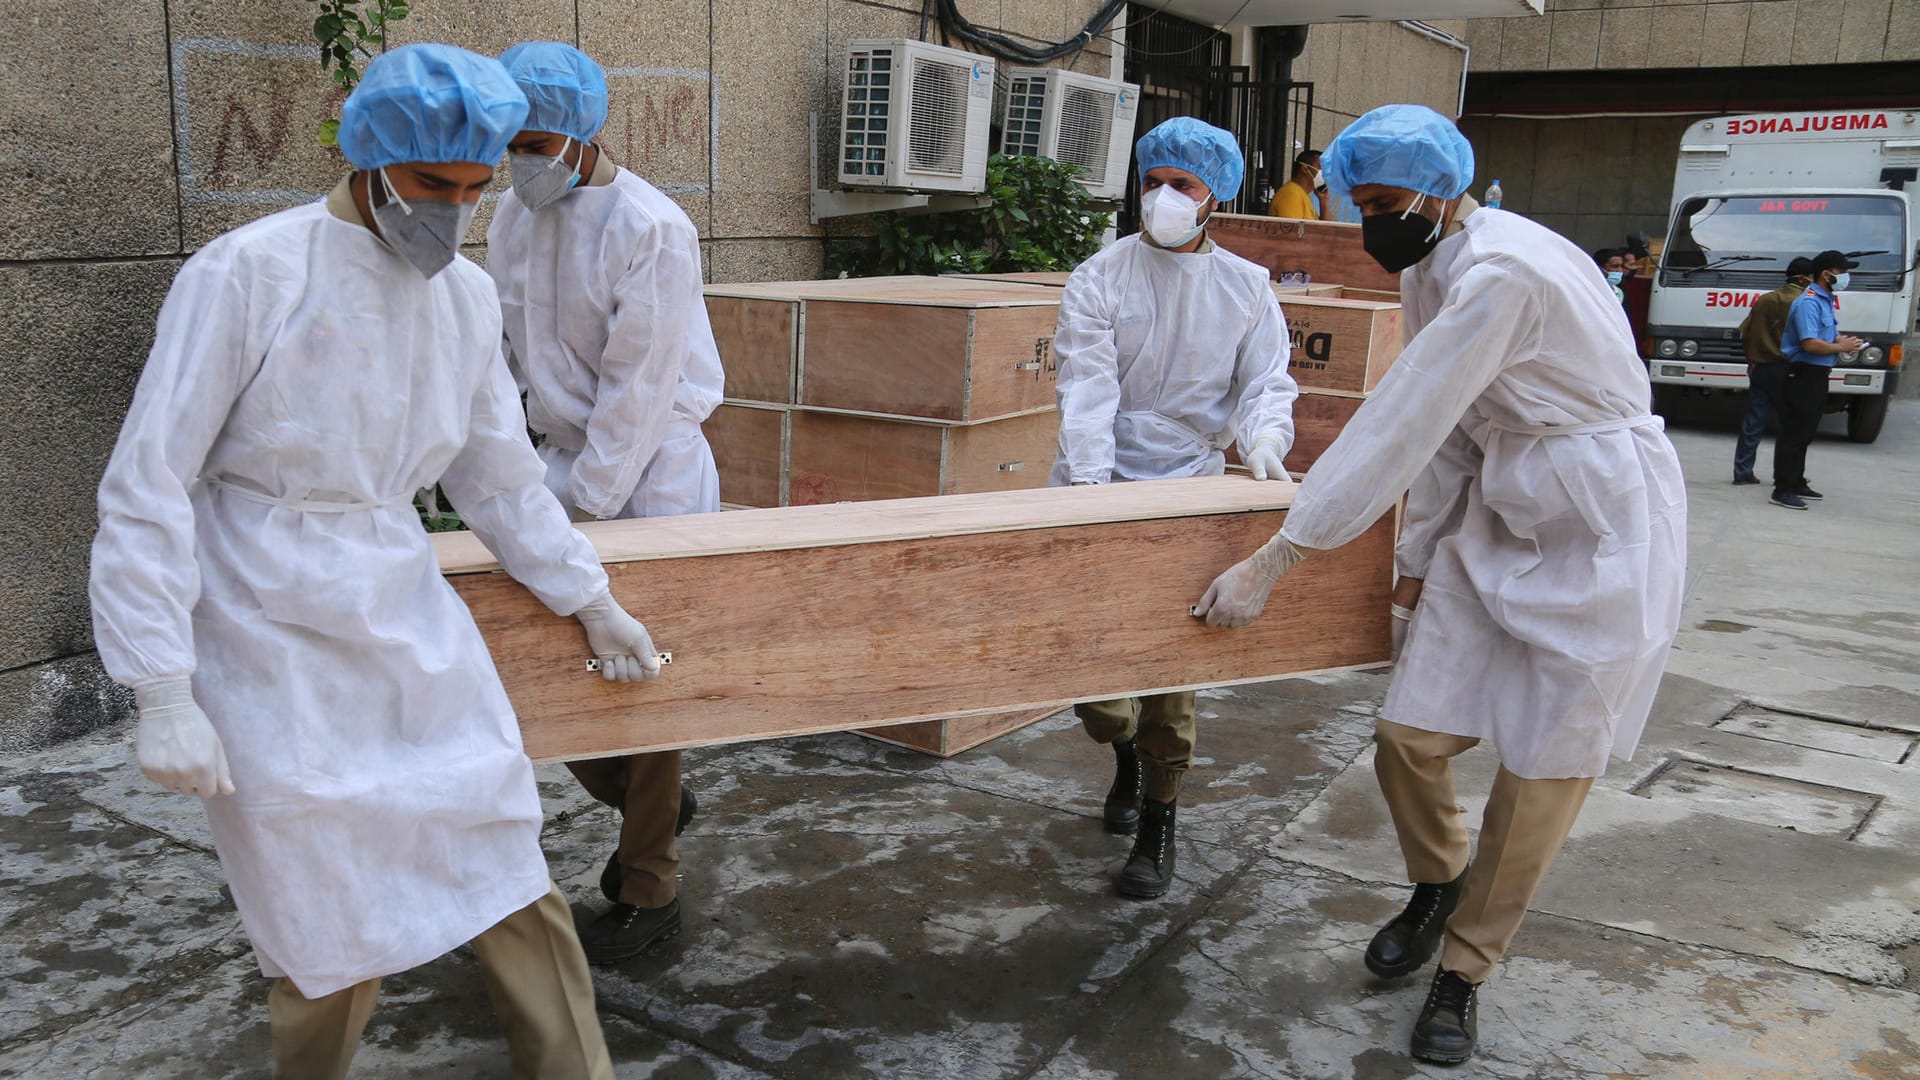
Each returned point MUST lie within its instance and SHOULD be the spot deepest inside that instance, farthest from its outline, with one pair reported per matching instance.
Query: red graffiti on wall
(653, 125)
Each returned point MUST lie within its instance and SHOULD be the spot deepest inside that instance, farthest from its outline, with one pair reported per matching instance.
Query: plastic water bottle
(1493, 196)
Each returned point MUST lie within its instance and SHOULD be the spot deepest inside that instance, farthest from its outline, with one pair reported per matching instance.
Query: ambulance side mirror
(1898, 178)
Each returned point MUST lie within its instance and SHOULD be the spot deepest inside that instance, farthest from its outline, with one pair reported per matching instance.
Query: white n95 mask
(540, 181)
(425, 232)
(1170, 218)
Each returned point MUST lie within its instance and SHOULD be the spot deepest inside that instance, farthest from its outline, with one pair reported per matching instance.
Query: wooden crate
(759, 342)
(750, 452)
(808, 619)
(945, 738)
(1055, 278)
(837, 457)
(1340, 344)
(942, 348)
(1318, 419)
(1326, 251)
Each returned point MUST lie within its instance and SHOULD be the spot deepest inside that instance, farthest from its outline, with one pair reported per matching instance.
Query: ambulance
(1750, 193)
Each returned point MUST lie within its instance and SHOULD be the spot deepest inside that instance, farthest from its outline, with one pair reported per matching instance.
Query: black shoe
(689, 806)
(610, 878)
(1790, 500)
(1809, 493)
(1738, 480)
(1406, 943)
(1149, 871)
(1123, 798)
(624, 931)
(1448, 1024)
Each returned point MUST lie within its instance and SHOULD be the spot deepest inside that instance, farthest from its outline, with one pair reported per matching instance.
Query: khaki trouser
(645, 789)
(1162, 727)
(536, 976)
(1525, 823)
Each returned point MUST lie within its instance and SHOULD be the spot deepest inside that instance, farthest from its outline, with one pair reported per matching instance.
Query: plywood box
(807, 619)
(1318, 419)
(750, 452)
(1326, 251)
(836, 457)
(945, 738)
(944, 348)
(759, 340)
(1055, 278)
(1340, 344)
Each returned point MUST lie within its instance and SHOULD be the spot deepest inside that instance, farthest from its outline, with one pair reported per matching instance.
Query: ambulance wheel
(1865, 416)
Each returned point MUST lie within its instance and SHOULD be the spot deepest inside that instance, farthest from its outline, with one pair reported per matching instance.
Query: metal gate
(1182, 70)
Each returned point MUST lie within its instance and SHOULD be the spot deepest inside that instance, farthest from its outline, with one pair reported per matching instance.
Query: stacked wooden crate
(879, 388)
(867, 388)
(1341, 349)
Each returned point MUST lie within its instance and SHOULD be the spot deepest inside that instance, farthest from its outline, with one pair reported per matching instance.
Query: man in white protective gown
(606, 325)
(261, 580)
(1542, 556)
(1169, 350)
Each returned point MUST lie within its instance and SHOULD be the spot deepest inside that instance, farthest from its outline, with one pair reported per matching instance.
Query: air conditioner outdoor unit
(915, 116)
(1077, 119)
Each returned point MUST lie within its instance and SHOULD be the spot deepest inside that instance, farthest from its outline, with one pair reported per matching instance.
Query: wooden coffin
(758, 338)
(1325, 251)
(1340, 344)
(945, 738)
(835, 457)
(750, 452)
(807, 619)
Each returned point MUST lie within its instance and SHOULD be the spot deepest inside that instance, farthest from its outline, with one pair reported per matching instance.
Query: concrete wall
(1633, 34)
(1355, 67)
(1591, 180)
(140, 129)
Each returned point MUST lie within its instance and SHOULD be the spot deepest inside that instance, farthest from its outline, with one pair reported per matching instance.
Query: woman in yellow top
(1297, 196)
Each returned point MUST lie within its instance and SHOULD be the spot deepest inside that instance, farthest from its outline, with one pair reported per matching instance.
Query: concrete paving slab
(1815, 733)
(1260, 753)
(435, 1021)
(843, 920)
(99, 912)
(1268, 983)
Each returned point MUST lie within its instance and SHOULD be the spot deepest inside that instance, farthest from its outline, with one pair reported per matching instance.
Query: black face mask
(1397, 241)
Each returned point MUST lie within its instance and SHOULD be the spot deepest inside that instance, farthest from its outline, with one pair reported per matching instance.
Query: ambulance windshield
(1749, 239)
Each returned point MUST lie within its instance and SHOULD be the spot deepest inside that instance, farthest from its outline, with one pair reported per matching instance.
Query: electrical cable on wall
(1005, 48)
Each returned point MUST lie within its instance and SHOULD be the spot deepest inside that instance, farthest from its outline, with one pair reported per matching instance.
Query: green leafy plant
(347, 31)
(1040, 218)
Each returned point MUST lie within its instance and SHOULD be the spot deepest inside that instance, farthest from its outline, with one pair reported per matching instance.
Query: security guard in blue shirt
(1812, 345)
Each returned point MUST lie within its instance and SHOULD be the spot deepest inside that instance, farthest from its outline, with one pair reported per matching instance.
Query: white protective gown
(1547, 511)
(257, 533)
(606, 325)
(1164, 358)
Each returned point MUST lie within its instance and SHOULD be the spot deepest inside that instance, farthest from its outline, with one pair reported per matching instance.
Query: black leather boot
(1123, 798)
(624, 931)
(610, 877)
(1149, 872)
(1404, 945)
(1449, 1021)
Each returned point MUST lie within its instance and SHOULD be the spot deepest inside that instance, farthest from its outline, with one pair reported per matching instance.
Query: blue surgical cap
(566, 91)
(432, 103)
(1408, 146)
(1206, 151)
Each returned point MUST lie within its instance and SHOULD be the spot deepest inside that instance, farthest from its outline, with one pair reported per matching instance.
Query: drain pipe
(1434, 33)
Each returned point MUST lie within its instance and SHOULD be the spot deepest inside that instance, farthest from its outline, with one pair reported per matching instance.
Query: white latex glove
(175, 743)
(623, 645)
(1402, 618)
(1265, 461)
(1237, 597)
